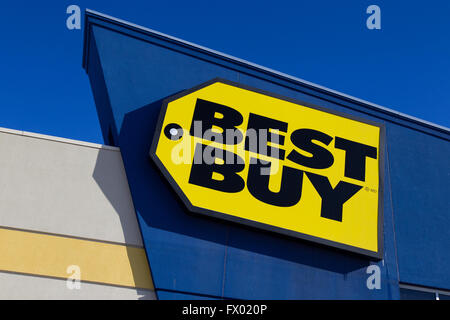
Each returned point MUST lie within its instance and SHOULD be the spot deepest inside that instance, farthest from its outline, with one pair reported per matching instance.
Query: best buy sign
(248, 156)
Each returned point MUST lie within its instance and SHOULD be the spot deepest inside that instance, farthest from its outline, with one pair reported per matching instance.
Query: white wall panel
(24, 287)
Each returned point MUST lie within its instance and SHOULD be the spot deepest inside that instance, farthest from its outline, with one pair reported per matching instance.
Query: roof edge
(57, 139)
(278, 74)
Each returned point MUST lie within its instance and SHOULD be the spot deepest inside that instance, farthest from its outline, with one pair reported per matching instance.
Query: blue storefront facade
(133, 69)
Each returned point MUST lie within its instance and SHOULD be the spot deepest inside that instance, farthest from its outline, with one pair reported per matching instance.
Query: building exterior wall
(67, 203)
(133, 69)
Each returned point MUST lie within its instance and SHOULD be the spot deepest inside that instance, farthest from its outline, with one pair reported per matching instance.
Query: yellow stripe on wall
(49, 255)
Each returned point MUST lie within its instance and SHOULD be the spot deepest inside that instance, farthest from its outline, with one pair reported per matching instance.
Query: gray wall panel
(65, 187)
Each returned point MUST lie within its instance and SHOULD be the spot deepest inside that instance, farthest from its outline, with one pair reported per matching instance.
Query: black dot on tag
(173, 131)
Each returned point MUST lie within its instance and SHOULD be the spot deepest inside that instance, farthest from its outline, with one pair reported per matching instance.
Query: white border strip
(304, 82)
(423, 289)
(58, 139)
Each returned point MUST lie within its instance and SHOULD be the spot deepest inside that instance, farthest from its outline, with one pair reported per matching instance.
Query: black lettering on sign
(290, 190)
(202, 172)
(355, 157)
(332, 199)
(210, 114)
(303, 139)
(221, 171)
(259, 126)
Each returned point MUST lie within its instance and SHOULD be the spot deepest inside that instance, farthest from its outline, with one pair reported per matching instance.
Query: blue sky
(404, 66)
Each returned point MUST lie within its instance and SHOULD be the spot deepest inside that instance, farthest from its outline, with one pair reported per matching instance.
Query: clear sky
(404, 66)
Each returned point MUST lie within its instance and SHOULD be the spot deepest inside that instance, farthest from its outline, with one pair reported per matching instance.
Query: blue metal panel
(101, 96)
(170, 295)
(144, 74)
(134, 71)
(420, 173)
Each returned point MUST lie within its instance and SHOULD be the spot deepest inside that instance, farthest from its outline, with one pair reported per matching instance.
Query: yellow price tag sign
(255, 158)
